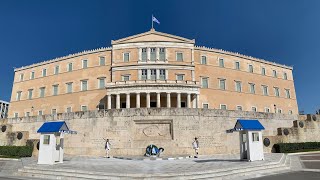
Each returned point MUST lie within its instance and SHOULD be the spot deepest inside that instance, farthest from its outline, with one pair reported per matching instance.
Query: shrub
(296, 147)
(16, 151)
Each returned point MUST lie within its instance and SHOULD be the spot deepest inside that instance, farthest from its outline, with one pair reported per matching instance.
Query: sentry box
(250, 135)
(51, 142)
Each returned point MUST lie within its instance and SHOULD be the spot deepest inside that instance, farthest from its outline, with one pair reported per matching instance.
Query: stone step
(218, 174)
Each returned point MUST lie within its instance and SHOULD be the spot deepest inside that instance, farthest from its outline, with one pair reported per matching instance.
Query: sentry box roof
(245, 124)
(52, 127)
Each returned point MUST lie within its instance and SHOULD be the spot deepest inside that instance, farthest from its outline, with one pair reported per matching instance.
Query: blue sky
(286, 32)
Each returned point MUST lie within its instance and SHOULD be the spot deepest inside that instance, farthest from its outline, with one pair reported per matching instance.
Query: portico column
(109, 101)
(138, 100)
(128, 101)
(178, 100)
(148, 100)
(189, 100)
(158, 100)
(197, 100)
(168, 100)
(118, 101)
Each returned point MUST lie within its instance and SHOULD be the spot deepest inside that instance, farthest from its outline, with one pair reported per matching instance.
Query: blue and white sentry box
(251, 147)
(51, 142)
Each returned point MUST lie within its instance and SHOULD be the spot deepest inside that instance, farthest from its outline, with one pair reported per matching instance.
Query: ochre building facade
(153, 70)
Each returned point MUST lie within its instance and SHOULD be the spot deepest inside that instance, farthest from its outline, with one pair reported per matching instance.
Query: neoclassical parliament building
(153, 70)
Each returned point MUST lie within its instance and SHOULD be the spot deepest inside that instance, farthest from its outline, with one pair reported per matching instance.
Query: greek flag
(154, 19)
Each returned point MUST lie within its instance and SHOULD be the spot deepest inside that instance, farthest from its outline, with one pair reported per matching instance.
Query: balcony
(155, 83)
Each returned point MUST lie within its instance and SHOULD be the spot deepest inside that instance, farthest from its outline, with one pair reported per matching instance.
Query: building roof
(51, 127)
(246, 124)
(5, 102)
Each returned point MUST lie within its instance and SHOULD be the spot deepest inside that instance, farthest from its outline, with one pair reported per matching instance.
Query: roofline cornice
(203, 48)
(85, 52)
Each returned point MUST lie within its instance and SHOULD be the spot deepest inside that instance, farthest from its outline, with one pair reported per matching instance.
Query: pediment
(153, 36)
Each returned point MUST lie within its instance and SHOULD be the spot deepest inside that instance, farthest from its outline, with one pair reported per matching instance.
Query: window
(267, 110)
(42, 91)
(252, 88)
(250, 68)
(69, 87)
(53, 111)
(126, 78)
(18, 97)
(288, 93)
(204, 82)
(69, 110)
(274, 73)
(254, 109)
(223, 106)
(162, 54)
(56, 70)
(46, 139)
(40, 113)
(102, 83)
(238, 86)
(101, 106)
(263, 71)
(126, 57)
(55, 89)
(222, 84)
(162, 74)
(221, 62)
(84, 108)
(237, 65)
(280, 111)
(84, 64)
(239, 108)
(84, 85)
(285, 77)
(21, 77)
(44, 72)
(27, 114)
(205, 106)
(265, 90)
(30, 92)
(153, 74)
(32, 75)
(203, 59)
(290, 112)
(153, 55)
(180, 77)
(102, 61)
(276, 91)
(144, 54)
(70, 67)
(144, 73)
(179, 56)
(16, 115)
(255, 137)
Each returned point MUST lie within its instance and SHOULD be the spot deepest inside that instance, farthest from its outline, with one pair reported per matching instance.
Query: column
(168, 100)
(189, 100)
(109, 101)
(158, 74)
(157, 53)
(158, 100)
(178, 100)
(192, 75)
(148, 54)
(197, 101)
(128, 100)
(148, 74)
(138, 100)
(148, 100)
(140, 54)
(192, 56)
(118, 101)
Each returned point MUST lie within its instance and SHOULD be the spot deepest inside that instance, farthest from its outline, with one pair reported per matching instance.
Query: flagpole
(152, 22)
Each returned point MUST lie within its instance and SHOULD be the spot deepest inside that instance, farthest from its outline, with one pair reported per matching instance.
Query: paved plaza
(302, 165)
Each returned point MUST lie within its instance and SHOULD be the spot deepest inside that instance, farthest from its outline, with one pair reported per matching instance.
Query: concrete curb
(301, 153)
(9, 159)
(152, 158)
